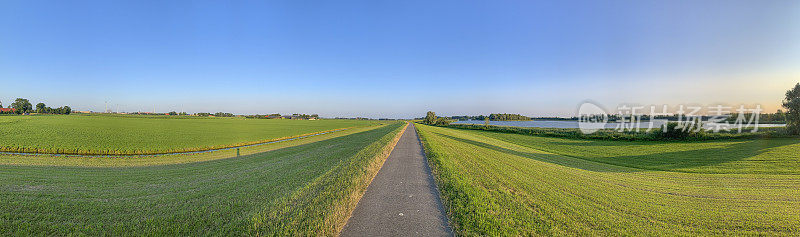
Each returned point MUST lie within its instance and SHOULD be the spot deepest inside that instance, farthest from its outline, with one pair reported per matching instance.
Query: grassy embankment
(304, 189)
(511, 184)
(121, 135)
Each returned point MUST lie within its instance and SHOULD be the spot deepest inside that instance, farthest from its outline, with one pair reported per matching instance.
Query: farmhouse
(7, 110)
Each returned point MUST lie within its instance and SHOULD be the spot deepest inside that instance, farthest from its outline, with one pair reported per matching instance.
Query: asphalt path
(402, 200)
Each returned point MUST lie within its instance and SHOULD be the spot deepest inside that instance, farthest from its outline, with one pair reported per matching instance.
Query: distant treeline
(145, 113)
(224, 114)
(277, 116)
(304, 116)
(23, 106)
(493, 117)
(362, 118)
(432, 119)
(217, 114)
(43, 109)
(779, 117)
(176, 113)
(266, 116)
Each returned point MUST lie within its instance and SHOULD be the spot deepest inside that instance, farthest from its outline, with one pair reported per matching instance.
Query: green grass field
(511, 184)
(99, 134)
(301, 188)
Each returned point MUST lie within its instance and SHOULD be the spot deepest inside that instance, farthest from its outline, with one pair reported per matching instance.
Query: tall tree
(40, 108)
(792, 105)
(22, 105)
(430, 118)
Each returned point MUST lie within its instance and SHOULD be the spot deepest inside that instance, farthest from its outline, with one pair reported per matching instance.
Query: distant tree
(507, 117)
(22, 105)
(40, 108)
(67, 110)
(182, 113)
(430, 118)
(173, 113)
(792, 105)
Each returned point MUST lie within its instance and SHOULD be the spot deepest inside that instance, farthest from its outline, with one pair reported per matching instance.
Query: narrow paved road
(402, 200)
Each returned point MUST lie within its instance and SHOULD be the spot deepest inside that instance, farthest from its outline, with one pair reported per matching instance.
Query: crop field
(510, 184)
(118, 135)
(293, 188)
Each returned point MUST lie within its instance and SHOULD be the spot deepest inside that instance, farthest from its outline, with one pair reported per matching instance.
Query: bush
(442, 122)
(430, 118)
(675, 130)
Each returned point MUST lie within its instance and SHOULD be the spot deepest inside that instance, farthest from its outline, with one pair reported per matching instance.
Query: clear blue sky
(396, 58)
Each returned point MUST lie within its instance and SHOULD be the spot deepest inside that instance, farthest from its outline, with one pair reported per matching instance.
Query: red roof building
(7, 110)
